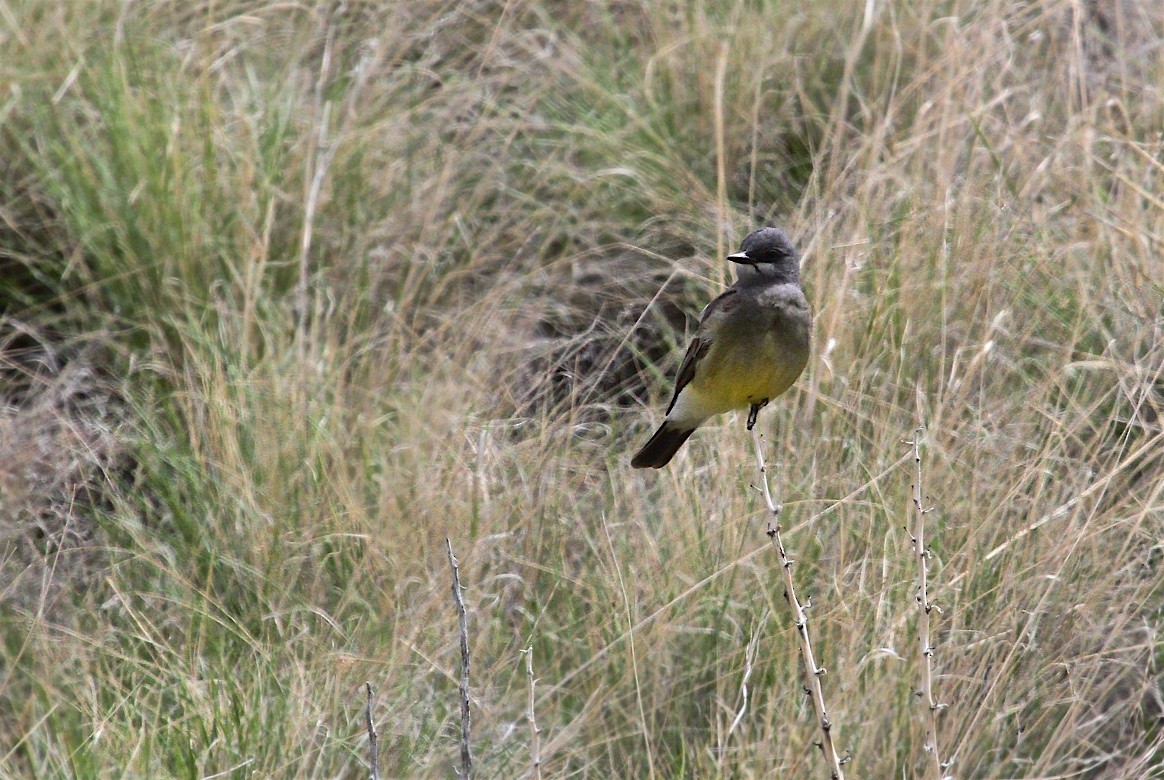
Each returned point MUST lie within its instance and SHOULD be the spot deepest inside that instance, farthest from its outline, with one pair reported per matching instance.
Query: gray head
(767, 255)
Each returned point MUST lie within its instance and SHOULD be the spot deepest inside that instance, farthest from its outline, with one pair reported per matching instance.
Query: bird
(751, 345)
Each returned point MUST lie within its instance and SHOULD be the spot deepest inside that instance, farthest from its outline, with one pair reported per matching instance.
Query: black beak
(741, 258)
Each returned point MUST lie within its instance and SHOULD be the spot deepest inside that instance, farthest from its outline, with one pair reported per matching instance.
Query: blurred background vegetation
(290, 292)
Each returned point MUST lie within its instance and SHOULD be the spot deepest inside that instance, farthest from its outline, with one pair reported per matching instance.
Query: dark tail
(661, 447)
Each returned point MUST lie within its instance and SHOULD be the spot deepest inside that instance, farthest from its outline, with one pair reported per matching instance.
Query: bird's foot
(754, 411)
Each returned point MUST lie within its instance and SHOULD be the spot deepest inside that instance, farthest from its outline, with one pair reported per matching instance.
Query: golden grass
(374, 276)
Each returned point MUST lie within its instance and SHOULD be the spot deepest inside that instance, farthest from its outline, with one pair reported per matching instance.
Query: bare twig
(373, 743)
(466, 754)
(813, 673)
(934, 766)
(749, 660)
(535, 732)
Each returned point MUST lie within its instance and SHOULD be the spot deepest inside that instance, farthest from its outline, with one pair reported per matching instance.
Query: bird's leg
(754, 411)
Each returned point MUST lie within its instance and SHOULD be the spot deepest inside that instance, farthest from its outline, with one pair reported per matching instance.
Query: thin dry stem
(373, 738)
(466, 753)
(813, 673)
(934, 766)
(633, 656)
(749, 660)
(535, 732)
(720, 158)
(318, 163)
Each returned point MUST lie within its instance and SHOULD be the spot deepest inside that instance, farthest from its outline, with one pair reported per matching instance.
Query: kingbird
(751, 344)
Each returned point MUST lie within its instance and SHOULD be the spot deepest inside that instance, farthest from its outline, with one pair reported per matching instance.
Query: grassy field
(290, 293)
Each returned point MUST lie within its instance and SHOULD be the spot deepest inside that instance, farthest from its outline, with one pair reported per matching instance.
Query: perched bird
(751, 344)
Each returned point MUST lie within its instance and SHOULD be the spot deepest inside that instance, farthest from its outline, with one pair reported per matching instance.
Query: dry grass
(373, 275)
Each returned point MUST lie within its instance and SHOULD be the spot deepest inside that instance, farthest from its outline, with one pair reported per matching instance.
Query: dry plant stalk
(318, 164)
(466, 754)
(934, 766)
(535, 732)
(749, 660)
(813, 673)
(373, 741)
